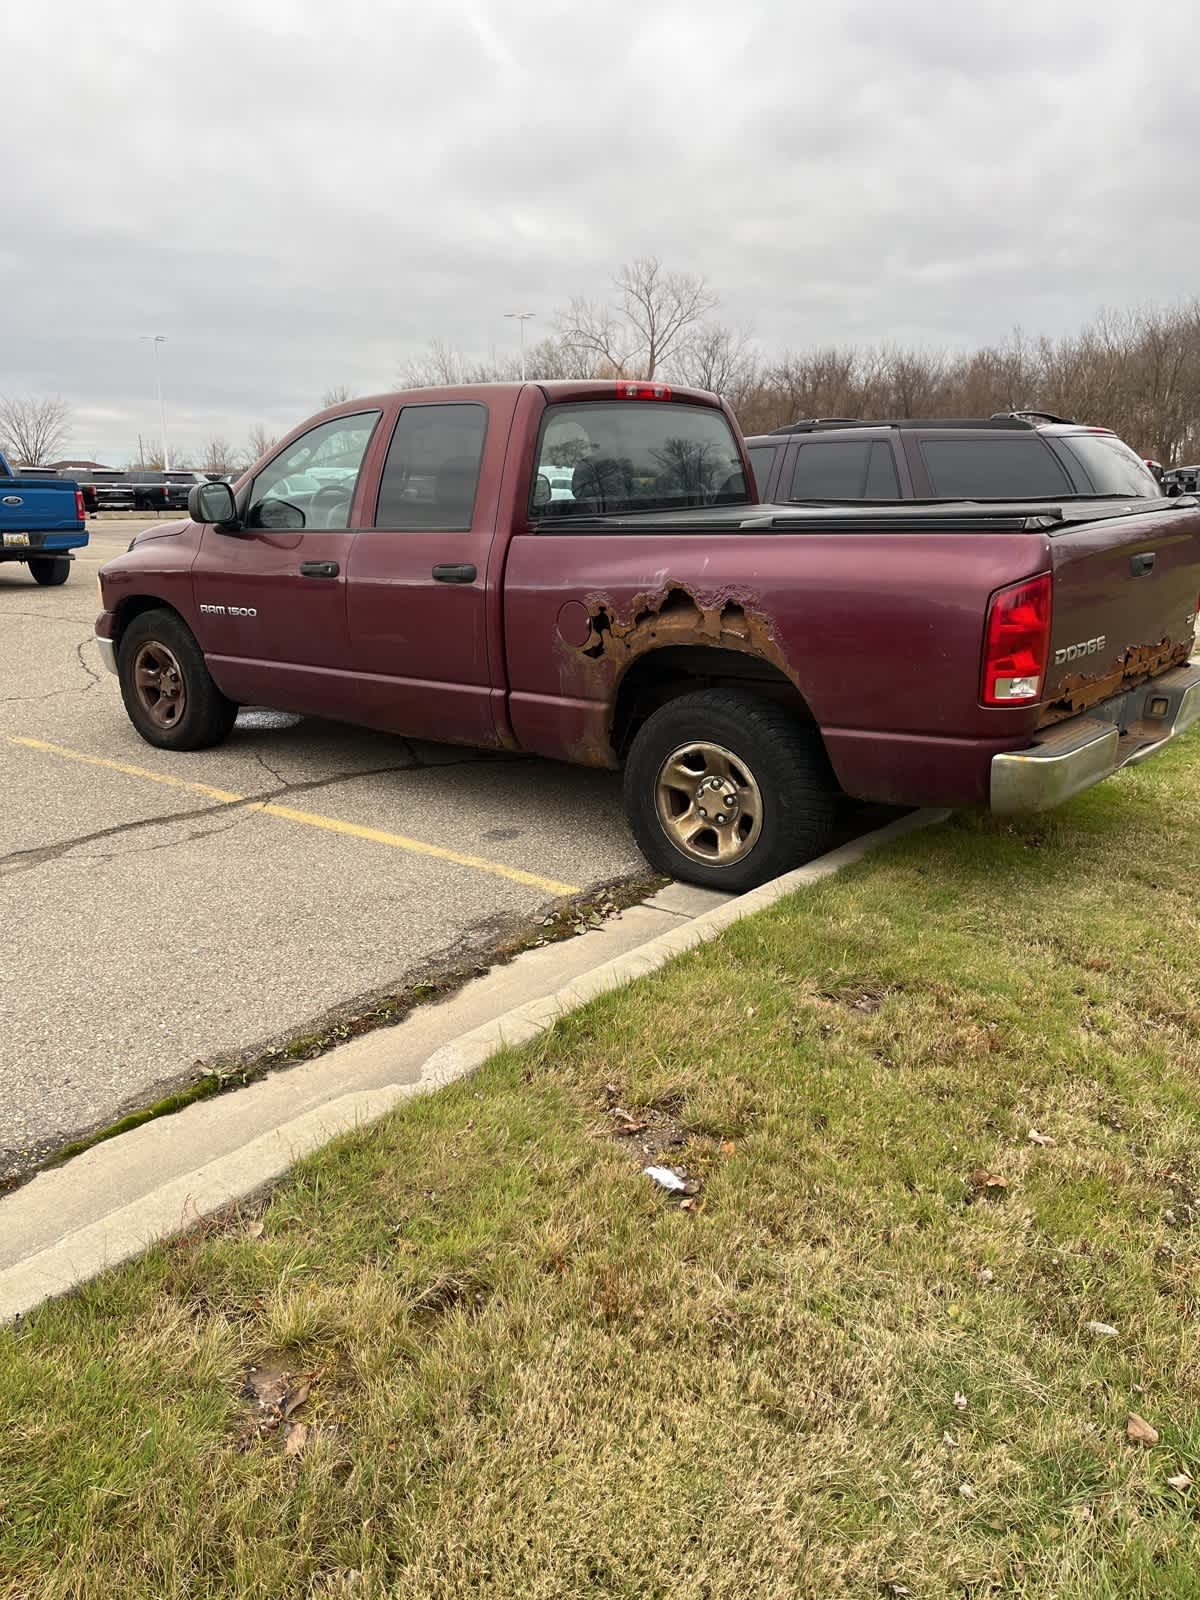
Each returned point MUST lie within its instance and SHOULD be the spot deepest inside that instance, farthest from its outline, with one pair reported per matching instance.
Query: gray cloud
(301, 195)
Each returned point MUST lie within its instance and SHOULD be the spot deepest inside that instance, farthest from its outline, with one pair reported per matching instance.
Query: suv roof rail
(807, 424)
(1029, 416)
(1002, 421)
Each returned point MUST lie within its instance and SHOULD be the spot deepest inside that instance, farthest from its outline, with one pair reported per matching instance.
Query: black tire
(792, 788)
(50, 571)
(204, 715)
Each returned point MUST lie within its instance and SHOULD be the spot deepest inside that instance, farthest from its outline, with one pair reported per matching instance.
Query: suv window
(431, 473)
(994, 467)
(762, 459)
(311, 484)
(1111, 467)
(641, 455)
(845, 469)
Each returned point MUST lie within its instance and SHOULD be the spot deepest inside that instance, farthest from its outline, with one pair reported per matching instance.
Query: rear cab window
(604, 458)
(994, 467)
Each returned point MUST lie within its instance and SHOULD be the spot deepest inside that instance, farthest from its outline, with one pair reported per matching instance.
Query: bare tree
(259, 443)
(336, 396)
(716, 358)
(636, 336)
(34, 430)
(220, 456)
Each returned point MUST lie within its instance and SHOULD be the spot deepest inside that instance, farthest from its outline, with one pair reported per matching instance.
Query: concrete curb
(124, 1231)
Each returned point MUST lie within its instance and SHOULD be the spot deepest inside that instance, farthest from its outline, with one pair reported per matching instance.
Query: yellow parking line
(308, 819)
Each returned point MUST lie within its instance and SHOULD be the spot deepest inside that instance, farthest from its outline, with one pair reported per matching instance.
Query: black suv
(1019, 455)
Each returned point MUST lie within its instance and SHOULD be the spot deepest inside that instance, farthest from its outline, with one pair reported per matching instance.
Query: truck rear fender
(661, 675)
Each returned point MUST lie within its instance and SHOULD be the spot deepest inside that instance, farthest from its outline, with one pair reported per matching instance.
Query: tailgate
(1124, 609)
(29, 504)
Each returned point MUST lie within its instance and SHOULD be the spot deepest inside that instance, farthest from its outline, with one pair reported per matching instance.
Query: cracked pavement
(146, 930)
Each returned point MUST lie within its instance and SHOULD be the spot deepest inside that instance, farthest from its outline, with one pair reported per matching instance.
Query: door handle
(319, 569)
(1141, 565)
(450, 572)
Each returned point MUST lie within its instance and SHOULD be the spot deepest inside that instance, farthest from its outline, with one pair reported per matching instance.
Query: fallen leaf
(1039, 1138)
(727, 1147)
(666, 1179)
(1102, 1330)
(255, 1230)
(295, 1399)
(960, 1400)
(297, 1438)
(949, 1440)
(981, 1178)
(692, 1205)
(966, 1491)
(1139, 1431)
(1181, 1481)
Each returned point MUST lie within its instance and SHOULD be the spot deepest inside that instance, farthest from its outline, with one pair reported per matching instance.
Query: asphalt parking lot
(159, 910)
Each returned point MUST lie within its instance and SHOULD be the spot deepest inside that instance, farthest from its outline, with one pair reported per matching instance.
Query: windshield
(604, 457)
(1112, 466)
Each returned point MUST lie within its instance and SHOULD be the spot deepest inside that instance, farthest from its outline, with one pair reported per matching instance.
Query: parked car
(743, 662)
(1027, 454)
(42, 520)
(1181, 480)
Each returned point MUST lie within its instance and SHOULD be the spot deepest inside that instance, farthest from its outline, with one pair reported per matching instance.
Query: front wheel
(50, 571)
(728, 790)
(168, 691)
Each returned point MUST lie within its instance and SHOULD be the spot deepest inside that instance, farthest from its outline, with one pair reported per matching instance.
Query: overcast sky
(302, 194)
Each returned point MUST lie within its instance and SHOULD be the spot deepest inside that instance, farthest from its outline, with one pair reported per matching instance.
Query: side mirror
(542, 492)
(212, 502)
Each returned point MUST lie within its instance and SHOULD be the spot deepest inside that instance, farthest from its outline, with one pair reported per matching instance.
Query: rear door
(417, 592)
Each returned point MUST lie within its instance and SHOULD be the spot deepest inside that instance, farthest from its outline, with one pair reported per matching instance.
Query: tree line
(1136, 371)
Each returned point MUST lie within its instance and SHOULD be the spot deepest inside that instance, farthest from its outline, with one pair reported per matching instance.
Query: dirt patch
(274, 1393)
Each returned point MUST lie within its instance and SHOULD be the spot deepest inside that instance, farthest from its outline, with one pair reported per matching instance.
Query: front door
(271, 597)
(418, 579)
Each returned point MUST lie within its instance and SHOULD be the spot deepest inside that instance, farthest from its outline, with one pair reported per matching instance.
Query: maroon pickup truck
(580, 570)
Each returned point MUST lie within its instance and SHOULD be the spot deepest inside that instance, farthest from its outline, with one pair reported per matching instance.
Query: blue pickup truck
(41, 521)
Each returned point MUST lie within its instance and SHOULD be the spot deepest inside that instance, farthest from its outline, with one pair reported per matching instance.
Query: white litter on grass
(666, 1179)
(1102, 1330)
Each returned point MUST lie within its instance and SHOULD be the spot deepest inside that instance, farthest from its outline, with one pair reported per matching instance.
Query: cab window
(311, 483)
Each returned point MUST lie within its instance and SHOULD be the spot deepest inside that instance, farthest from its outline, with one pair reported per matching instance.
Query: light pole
(156, 339)
(520, 318)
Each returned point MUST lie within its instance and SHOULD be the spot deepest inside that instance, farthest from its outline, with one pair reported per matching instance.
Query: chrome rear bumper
(1076, 754)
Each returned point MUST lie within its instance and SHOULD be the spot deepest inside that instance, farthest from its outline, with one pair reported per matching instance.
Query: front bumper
(108, 652)
(1087, 749)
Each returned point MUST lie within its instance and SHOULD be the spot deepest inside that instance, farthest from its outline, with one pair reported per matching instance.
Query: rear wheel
(728, 790)
(168, 691)
(50, 571)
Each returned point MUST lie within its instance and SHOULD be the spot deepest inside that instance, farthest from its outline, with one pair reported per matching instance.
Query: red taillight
(643, 391)
(80, 508)
(1017, 643)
